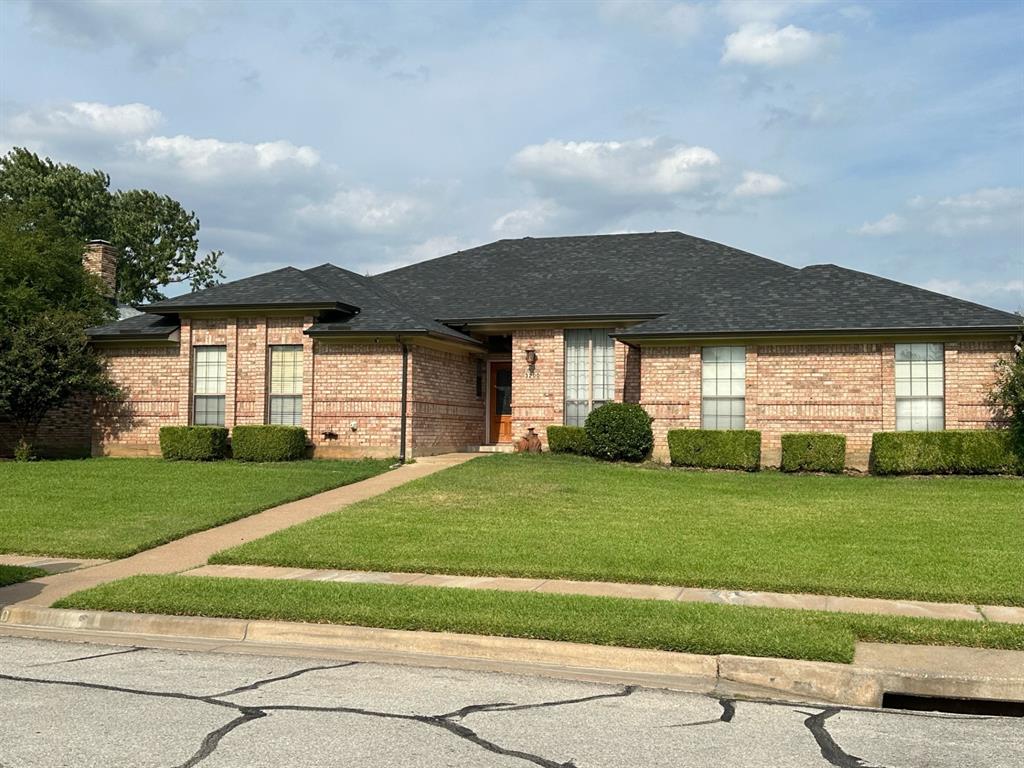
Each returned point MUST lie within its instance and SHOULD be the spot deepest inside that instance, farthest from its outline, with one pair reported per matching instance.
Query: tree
(47, 299)
(156, 237)
(1008, 395)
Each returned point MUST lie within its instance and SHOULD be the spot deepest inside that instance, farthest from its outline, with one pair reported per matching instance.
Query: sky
(885, 137)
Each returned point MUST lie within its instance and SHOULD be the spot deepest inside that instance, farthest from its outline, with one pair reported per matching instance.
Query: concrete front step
(1003, 614)
(492, 448)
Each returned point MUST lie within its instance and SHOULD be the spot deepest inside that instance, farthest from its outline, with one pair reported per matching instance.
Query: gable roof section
(139, 327)
(826, 298)
(634, 275)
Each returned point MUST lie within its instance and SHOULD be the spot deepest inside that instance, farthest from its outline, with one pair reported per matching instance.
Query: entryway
(500, 402)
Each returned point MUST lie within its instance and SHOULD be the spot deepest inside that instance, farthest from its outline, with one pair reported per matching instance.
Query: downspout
(405, 398)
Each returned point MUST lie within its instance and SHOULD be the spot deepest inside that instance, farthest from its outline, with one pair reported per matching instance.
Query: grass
(108, 508)
(951, 539)
(12, 574)
(689, 627)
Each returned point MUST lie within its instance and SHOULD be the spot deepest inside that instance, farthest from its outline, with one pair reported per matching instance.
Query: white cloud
(679, 20)
(637, 168)
(889, 224)
(757, 184)
(978, 290)
(84, 119)
(212, 159)
(527, 220)
(744, 11)
(363, 211)
(764, 44)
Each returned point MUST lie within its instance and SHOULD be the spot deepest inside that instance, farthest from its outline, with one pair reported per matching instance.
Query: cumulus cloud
(980, 290)
(528, 220)
(640, 168)
(82, 119)
(363, 211)
(764, 44)
(680, 20)
(211, 159)
(757, 184)
(889, 224)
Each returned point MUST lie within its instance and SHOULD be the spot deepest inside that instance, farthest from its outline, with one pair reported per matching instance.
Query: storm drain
(993, 707)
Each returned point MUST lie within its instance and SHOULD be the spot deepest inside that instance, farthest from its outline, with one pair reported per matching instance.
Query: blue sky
(887, 137)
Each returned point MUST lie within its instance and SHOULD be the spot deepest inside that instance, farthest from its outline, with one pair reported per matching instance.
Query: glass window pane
(723, 387)
(920, 386)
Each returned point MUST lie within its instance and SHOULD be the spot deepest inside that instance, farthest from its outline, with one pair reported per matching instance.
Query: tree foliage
(156, 237)
(1008, 395)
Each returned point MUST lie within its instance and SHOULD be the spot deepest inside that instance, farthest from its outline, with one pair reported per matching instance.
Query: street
(66, 704)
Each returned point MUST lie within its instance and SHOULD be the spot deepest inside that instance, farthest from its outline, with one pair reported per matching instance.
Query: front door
(501, 402)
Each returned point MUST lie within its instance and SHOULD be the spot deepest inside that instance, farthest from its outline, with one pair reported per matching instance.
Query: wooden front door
(501, 402)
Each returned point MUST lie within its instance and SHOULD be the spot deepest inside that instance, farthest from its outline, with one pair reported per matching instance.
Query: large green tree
(156, 237)
(47, 300)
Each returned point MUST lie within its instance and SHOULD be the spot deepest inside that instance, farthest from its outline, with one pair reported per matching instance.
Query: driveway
(65, 704)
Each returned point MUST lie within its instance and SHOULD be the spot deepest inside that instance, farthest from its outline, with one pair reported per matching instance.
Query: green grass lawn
(12, 574)
(945, 538)
(690, 627)
(116, 507)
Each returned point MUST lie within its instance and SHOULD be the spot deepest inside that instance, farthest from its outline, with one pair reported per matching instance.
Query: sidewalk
(194, 550)
(998, 613)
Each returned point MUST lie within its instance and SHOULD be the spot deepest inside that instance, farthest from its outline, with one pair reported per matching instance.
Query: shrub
(959, 452)
(620, 432)
(568, 440)
(715, 448)
(268, 442)
(194, 443)
(813, 452)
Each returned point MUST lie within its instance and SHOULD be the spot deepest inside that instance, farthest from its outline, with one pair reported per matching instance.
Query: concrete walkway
(195, 550)
(915, 608)
(50, 564)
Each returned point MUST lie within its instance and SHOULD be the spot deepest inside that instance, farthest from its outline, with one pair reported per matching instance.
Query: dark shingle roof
(635, 275)
(139, 326)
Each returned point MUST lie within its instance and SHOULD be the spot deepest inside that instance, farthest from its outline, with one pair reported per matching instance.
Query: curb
(723, 675)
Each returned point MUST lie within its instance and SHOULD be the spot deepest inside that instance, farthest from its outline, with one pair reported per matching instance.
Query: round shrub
(620, 432)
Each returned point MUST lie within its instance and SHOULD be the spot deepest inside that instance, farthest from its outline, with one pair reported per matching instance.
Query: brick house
(476, 347)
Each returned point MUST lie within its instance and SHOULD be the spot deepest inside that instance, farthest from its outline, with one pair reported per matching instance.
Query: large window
(723, 387)
(286, 384)
(920, 401)
(589, 372)
(208, 378)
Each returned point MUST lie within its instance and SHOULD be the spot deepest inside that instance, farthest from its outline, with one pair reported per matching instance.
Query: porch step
(495, 448)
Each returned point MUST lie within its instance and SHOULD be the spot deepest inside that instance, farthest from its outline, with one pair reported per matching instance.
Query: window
(286, 384)
(589, 372)
(920, 402)
(479, 379)
(723, 387)
(209, 374)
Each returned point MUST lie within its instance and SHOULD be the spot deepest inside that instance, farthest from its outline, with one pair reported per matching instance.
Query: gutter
(844, 331)
(405, 398)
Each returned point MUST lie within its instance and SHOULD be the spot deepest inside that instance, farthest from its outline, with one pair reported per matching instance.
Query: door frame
(487, 399)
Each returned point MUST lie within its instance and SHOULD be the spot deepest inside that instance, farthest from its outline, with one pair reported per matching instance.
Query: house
(476, 347)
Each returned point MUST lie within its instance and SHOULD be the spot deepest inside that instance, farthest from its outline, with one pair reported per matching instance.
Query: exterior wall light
(531, 357)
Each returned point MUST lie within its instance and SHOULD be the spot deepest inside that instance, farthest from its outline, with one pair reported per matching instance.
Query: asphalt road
(64, 704)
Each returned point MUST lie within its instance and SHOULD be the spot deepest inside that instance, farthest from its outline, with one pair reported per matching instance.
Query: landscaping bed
(688, 627)
(13, 574)
(945, 539)
(108, 508)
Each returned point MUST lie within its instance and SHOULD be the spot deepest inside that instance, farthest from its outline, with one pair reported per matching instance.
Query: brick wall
(970, 376)
(65, 432)
(670, 391)
(444, 412)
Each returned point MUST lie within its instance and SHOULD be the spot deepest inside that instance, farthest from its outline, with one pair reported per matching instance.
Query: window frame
(207, 397)
(291, 398)
(916, 411)
(581, 407)
(714, 421)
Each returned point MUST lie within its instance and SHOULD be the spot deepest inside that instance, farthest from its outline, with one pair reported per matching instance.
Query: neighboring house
(476, 347)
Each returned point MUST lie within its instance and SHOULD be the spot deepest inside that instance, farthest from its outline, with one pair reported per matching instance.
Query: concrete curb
(725, 675)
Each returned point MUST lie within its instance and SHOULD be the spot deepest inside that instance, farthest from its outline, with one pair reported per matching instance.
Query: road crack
(830, 749)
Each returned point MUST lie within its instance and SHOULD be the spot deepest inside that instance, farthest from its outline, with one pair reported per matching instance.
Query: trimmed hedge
(620, 432)
(813, 452)
(568, 440)
(194, 443)
(715, 448)
(268, 442)
(954, 452)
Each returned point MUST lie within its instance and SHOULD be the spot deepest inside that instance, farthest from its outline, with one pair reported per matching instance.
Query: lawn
(116, 507)
(689, 627)
(945, 538)
(12, 574)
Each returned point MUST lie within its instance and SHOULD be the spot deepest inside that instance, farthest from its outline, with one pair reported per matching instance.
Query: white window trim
(589, 371)
(271, 395)
(222, 395)
(722, 398)
(926, 380)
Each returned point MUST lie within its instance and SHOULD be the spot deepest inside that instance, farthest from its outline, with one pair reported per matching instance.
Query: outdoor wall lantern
(531, 357)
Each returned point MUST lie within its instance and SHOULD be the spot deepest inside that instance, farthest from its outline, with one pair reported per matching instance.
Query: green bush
(568, 440)
(268, 442)
(813, 452)
(954, 452)
(194, 443)
(620, 432)
(715, 448)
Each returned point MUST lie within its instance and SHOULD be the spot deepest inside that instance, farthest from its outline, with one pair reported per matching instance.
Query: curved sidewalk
(194, 550)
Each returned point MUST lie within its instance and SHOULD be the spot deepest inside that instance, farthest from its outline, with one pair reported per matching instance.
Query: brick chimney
(100, 258)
